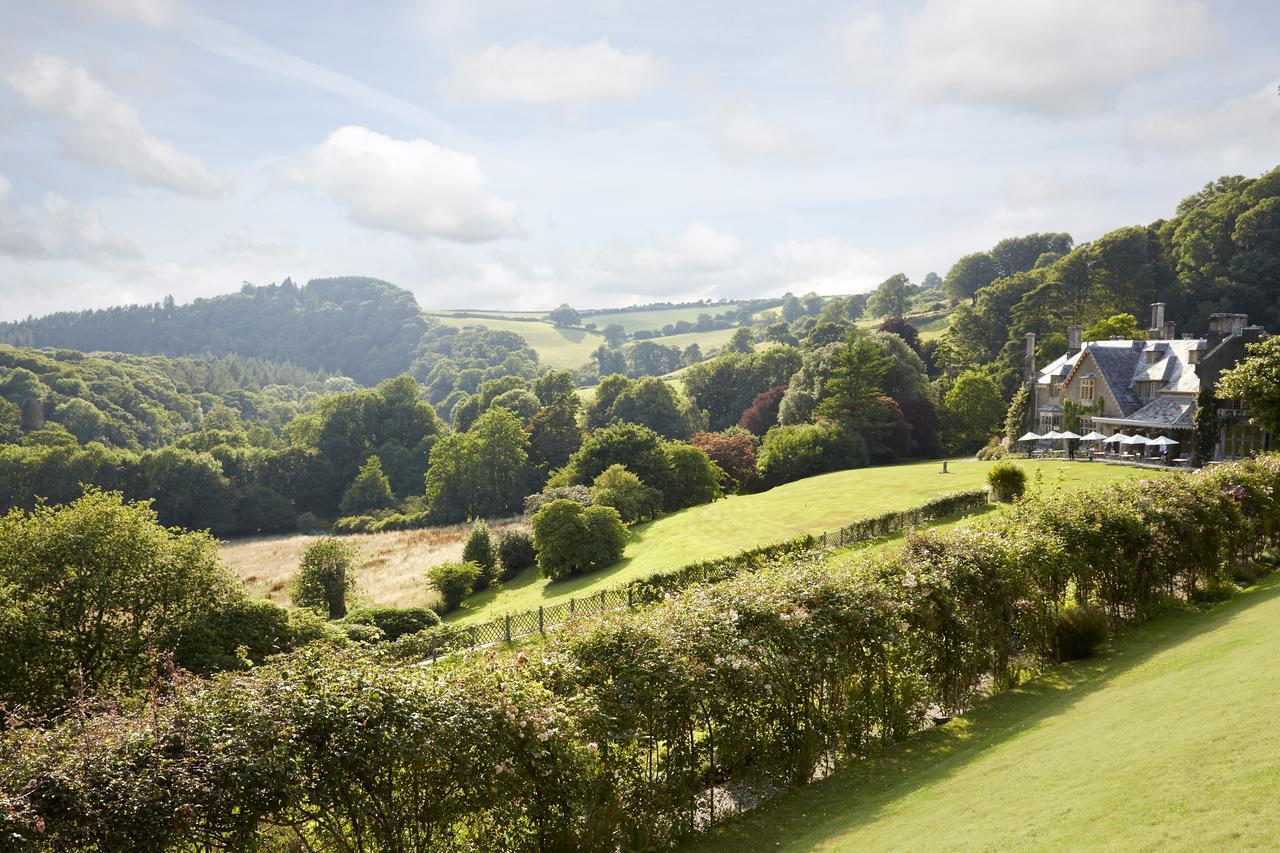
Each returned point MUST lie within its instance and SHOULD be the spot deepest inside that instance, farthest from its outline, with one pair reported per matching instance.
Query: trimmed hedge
(609, 734)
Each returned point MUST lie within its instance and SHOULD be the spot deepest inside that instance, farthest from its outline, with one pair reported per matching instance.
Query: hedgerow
(610, 733)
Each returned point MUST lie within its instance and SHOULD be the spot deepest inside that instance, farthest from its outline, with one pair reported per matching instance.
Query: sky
(492, 154)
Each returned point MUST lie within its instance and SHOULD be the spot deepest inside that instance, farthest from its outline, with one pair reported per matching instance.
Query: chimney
(1075, 337)
(1223, 326)
(1170, 330)
(1156, 331)
(1029, 360)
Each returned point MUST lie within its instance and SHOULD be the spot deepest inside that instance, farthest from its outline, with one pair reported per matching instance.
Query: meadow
(556, 347)
(1161, 744)
(635, 321)
(812, 505)
(391, 566)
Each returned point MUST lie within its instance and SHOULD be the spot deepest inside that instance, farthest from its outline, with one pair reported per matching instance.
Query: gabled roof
(1122, 364)
(1160, 413)
(1116, 362)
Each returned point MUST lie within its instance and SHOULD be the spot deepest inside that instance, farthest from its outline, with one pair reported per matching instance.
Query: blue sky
(520, 154)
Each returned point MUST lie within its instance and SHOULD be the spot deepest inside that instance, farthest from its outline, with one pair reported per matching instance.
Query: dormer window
(1193, 357)
(1086, 390)
(1153, 355)
(1054, 390)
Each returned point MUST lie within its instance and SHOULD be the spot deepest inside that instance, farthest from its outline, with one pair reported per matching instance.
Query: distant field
(500, 315)
(391, 567)
(1165, 744)
(812, 505)
(634, 321)
(560, 348)
(705, 340)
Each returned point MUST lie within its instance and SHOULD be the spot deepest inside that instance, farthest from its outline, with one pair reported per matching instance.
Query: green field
(1164, 744)
(635, 321)
(705, 340)
(487, 314)
(560, 348)
(812, 505)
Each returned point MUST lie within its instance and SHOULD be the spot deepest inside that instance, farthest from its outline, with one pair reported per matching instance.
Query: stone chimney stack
(1223, 326)
(1075, 338)
(1029, 360)
(1156, 331)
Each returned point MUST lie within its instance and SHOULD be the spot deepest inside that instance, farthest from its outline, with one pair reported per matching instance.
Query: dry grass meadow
(391, 567)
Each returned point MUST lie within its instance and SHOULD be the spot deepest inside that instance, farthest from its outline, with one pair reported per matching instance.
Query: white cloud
(152, 13)
(1035, 190)
(1040, 55)
(825, 265)
(410, 186)
(741, 131)
(56, 230)
(534, 73)
(1238, 129)
(101, 129)
(861, 36)
(698, 249)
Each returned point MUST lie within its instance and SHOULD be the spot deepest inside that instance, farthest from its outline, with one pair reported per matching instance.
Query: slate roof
(1122, 364)
(1160, 413)
(1116, 362)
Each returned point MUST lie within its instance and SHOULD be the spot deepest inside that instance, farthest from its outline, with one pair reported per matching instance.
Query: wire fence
(513, 626)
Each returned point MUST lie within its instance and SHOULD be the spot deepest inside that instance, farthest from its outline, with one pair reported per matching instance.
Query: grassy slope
(812, 505)
(1165, 744)
(654, 320)
(560, 348)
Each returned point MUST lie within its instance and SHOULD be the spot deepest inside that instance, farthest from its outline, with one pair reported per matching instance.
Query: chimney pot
(1075, 337)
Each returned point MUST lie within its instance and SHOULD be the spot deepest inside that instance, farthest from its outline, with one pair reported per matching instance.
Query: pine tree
(370, 490)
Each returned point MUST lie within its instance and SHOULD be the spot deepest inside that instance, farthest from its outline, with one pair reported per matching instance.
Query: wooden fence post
(508, 625)
(571, 607)
(542, 629)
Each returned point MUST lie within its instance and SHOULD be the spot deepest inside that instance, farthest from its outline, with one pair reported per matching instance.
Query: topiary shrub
(478, 549)
(1079, 631)
(515, 552)
(325, 578)
(454, 581)
(1008, 481)
(394, 622)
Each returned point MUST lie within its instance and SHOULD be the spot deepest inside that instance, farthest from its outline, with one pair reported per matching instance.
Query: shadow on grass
(857, 793)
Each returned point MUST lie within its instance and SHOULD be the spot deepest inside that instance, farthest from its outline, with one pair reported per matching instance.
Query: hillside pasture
(1164, 744)
(812, 505)
(635, 321)
(556, 347)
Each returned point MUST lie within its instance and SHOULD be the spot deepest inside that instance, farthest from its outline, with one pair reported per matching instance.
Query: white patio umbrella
(1116, 438)
(1052, 435)
(1162, 441)
(1068, 434)
(1030, 436)
(1093, 436)
(1138, 441)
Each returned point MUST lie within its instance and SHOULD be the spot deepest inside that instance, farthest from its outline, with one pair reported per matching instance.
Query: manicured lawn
(813, 505)
(559, 348)
(1166, 743)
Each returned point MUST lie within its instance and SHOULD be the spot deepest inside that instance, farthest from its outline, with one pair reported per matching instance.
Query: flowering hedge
(610, 734)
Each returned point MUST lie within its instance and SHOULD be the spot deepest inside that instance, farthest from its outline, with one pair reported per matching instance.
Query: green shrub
(325, 577)
(619, 488)
(535, 502)
(803, 450)
(572, 539)
(1079, 631)
(357, 632)
(234, 636)
(478, 549)
(515, 552)
(1213, 593)
(394, 622)
(695, 479)
(992, 452)
(1008, 481)
(309, 522)
(370, 490)
(454, 582)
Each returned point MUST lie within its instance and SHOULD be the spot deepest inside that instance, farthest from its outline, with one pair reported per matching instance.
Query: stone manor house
(1147, 387)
